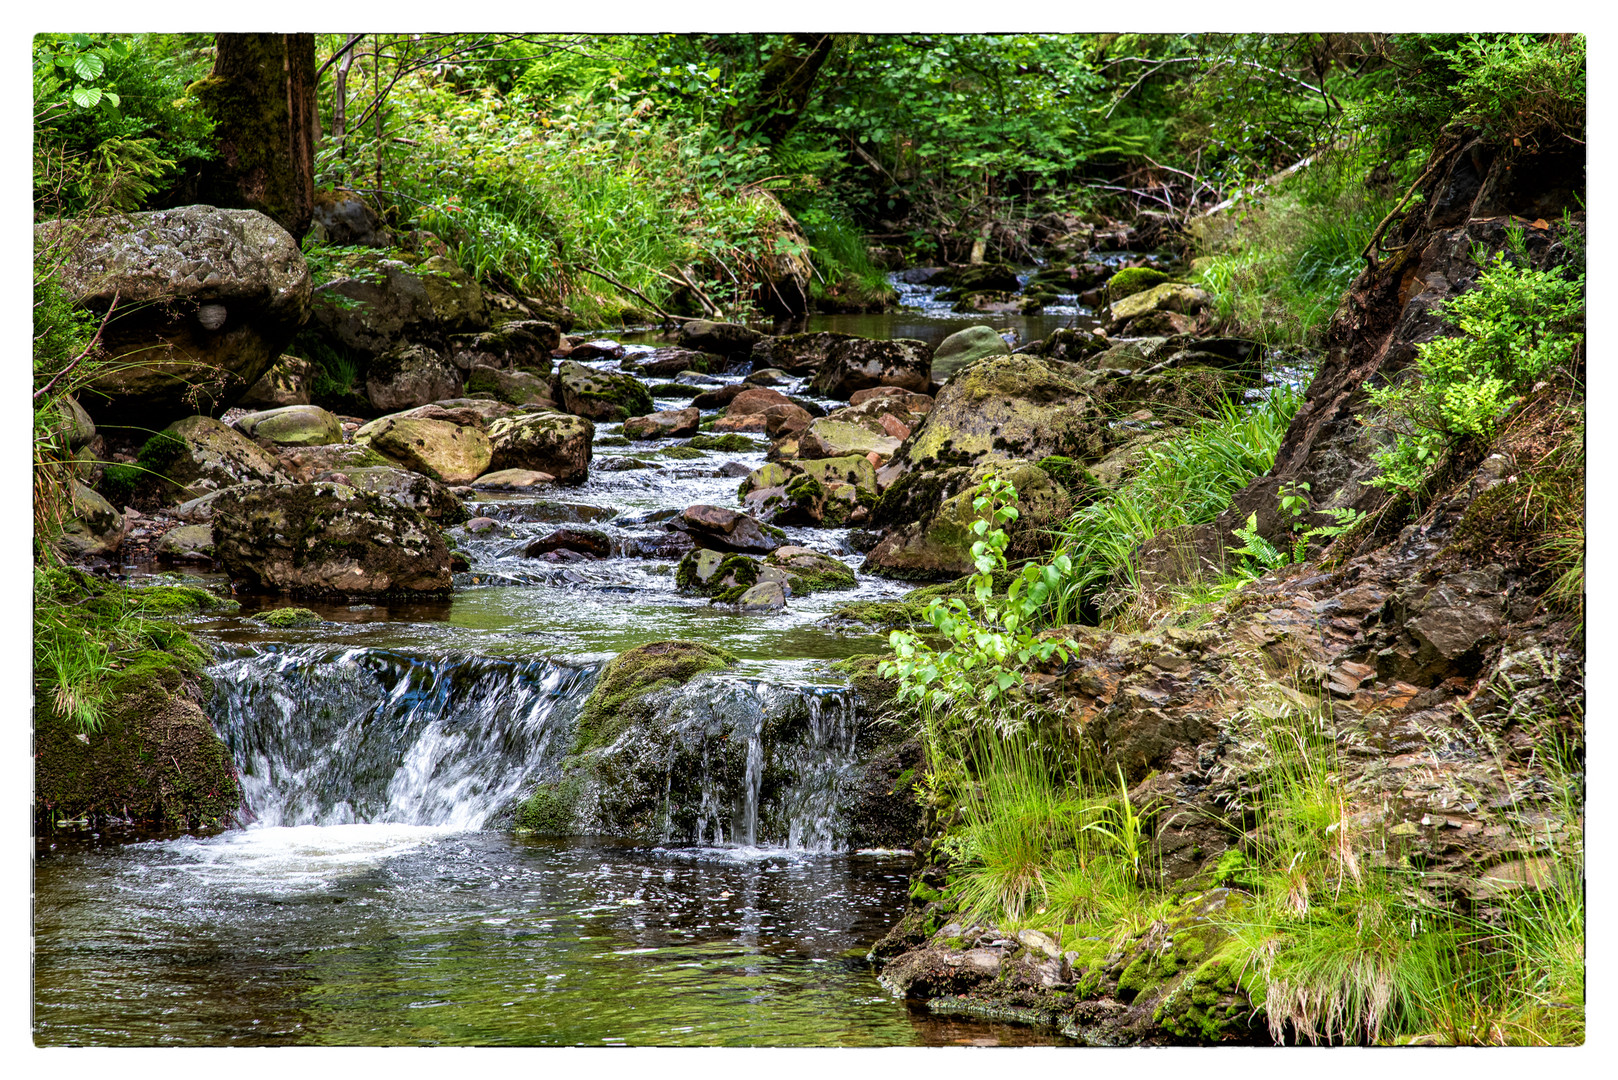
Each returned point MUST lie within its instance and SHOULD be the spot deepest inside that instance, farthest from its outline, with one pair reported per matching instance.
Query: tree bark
(785, 84)
(261, 95)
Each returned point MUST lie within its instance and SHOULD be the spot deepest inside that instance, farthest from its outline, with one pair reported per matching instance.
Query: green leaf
(85, 96)
(88, 66)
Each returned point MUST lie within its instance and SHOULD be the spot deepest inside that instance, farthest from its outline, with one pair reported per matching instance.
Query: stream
(377, 895)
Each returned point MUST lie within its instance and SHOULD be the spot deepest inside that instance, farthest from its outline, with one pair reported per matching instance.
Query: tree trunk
(785, 84)
(261, 95)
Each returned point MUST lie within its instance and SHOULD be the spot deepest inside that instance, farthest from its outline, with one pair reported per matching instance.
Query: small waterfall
(327, 736)
(331, 737)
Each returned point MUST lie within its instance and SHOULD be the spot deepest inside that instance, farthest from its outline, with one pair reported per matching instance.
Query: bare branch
(88, 349)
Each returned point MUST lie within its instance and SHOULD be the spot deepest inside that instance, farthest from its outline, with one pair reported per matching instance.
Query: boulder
(599, 395)
(207, 300)
(616, 701)
(447, 452)
(809, 570)
(965, 346)
(720, 396)
(292, 425)
(854, 469)
(547, 442)
(912, 401)
(669, 362)
(1171, 297)
(668, 424)
(519, 343)
(408, 376)
(767, 377)
(1132, 280)
(600, 349)
(514, 480)
(303, 463)
(94, 528)
(722, 575)
(75, 428)
(859, 363)
(730, 340)
(200, 454)
(385, 299)
(982, 277)
(754, 400)
(763, 598)
(288, 382)
(931, 517)
(185, 544)
(796, 354)
(511, 387)
(422, 494)
(343, 217)
(780, 420)
(328, 540)
(592, 543)
(727, 530)
(828, 438)
(1004, 407)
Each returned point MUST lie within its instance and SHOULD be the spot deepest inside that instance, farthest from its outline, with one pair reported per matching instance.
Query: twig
(1368, 254)
(88, 349)
(636, 292)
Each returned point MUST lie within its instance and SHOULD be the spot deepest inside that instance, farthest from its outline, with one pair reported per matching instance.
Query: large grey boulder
(328, 540)
(94, 528)
(408, 376)
(965, 346)
(199, 455)
(546, 442)
(861, 363)
(390, 298)
(206, 301)
(294, 425)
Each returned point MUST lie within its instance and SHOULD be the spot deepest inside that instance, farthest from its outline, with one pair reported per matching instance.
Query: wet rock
(809, 570)
(765, 597)
(601, 349)
(784, 420)
(327, 540)
(727, 530)
(827, 438)
(480, 525)
(511, 387)
(669, 362)
(619, 697)
(294, 425)
(599, 395)
(283, 617)
(514, 480)
(553, 443)
(930, 517)
(796, 354)
(447, 452)
(409, 375)
(287, 382)
(768, 377)
(721, 396)
(518, 343)
(733, 469)
(1183, 299)
(592, 543)
(980, 277)
(422, 494)
(1001, 408)
(168, 268)
(730, 340)
(668, 424)
(95, 527)
(858, 364)
(965, 346)
(705, 572)
(191, 544)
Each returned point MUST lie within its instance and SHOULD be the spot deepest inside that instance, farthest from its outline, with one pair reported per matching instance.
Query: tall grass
(1186, 480)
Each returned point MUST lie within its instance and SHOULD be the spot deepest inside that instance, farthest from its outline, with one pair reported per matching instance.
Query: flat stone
(514, 479)
(766, 596)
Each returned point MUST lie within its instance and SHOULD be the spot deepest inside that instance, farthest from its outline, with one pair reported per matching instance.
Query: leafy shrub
(1516, 326)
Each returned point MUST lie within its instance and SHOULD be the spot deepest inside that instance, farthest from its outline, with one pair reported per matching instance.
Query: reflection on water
(407, 935)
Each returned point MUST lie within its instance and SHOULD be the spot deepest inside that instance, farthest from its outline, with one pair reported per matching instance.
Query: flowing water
(377, 896)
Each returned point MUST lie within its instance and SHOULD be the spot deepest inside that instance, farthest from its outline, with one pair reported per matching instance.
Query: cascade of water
(331, 737)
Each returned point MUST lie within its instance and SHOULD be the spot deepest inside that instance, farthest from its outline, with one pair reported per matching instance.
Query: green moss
(617, 701)
(730, 442)
(1068, 473)
(1136, 279)
(1209, 1005)
(612, 440)
(552, 810)
(179, 600)
(681, 453)
(281, 618)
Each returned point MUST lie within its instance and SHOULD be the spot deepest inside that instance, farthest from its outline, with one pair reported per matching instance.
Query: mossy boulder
(283, 617)
(796, 354)
(293, 425)
(861, 363)
(552, 809)
(965, 346)
(423, 494)
(382, 299)
(599, 395)
(156, 758)
(706, 572)
(828, 438)
(547, 442)
(207, 300)
(668, 424)
(328, 540)
(1001, 408)
(199, 454)
(731, 443)
(617, 701)
(935, 543)
(410, 375)
(855, 469)
(1135, 279)
(446, 452)
(1171, 297)
(95, 526)
(730, 340)
(982, 277)
(185, 544)
(511, 387)
(809, 570)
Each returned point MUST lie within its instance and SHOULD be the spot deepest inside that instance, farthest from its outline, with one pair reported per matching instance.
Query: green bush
(1517, 325)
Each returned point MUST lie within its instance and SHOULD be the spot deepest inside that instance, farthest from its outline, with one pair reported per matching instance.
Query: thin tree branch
(88, 349)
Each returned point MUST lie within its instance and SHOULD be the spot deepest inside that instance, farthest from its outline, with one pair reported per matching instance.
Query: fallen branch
(637, 293)
(1369, 253)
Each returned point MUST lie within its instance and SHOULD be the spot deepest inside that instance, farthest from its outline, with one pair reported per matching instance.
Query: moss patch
(552, 809)
(681, 453)
(281, 618)
(618, 698)
(730, 443)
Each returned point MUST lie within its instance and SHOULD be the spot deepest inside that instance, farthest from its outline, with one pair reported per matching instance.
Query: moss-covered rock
(283, 617)
(616, 701)
(512, 387)
(965, 346)
(730, 443)
(552, 810)
(1006, 407)
(420, 493)
(447, 452)
(809, 570)
(95, 527)
(859, 363)
(410, 375)
(199, 454)
(547, 442)
(1134, 280)
(1170, 297)
(599, 395)
(937, 544)
(379, 300)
